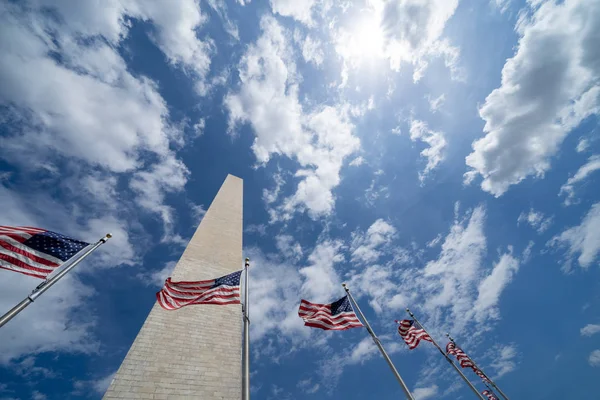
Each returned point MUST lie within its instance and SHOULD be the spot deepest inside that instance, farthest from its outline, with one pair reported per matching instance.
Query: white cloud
(101, 385)
(424, 393)
(175, 26)
(198, 212)
(274, 294)
(311, 48)
(57, 321)
(435, 104)
(375, 192)
(379, 283)
(358, 161)
(167, 175)
(501, 5)
(321, 280)
(490, 289)
(592, 165)
(375, 262)
(307, 386)
(436, 142)
(398, 32)
(288, 247)
(536, 220)
(583, 239)
(548, 88)
(299, 10)
(504, 359)
(450, 282)
(594, 359)
(435, 241)
(157, 277)
(369, 246)
(199, 127)
(271, 196)
(526, 256)
(582, 145)
(268, 100)
(117, 114)
(590, 329)
(260, 229)
(220, 6)
(363, 351)
(119, 118)
(38, 396)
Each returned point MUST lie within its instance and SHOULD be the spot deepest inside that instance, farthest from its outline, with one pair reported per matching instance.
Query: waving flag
(489, 394)
(412, 333)
(464, 360)
(461, 356)
(34, 251)
(224, 290)
(337, 316)
(480, 374)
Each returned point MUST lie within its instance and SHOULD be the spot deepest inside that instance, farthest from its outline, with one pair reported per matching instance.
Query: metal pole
(379, 345)
(473, 388)
(490, 389)
(37, 292)
(246, 339)
(476, 366)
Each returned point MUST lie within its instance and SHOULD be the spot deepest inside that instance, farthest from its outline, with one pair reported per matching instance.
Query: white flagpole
(467, 381)
(41, 288)
(246, 339)
(379, 345)
(486, 375)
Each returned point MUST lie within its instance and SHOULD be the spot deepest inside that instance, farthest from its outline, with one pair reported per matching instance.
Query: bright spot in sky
(361, 39)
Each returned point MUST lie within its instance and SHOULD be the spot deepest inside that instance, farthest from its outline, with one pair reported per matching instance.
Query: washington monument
(193, 352)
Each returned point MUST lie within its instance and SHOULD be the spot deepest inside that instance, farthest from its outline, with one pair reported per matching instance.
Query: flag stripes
(464, 360)
(35, 252)
(337, 316)
(489, 394)
(412, 333)
(461, 356)
(224, 290)
(480, 374)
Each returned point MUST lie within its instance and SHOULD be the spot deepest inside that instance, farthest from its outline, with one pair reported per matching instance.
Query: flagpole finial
(108, 235)
(247, 262)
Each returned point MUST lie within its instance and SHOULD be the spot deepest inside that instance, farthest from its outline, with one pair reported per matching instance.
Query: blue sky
(441, 155)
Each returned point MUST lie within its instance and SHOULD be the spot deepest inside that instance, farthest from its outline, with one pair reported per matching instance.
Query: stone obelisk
(193, 352)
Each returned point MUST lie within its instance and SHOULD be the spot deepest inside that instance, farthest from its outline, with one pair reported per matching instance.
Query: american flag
(412, 333)
(34, 251)
(337, 316)
(480, 374)
(461, 356)
(464, 360)
(223, 290)
(489, 394)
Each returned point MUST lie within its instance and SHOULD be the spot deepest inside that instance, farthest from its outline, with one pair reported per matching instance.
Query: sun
(361, 40)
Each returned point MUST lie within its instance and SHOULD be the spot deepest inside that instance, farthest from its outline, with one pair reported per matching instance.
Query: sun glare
(368, 36)
(361, 40)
